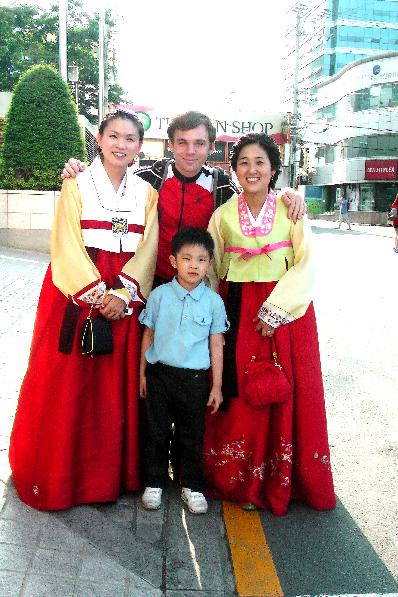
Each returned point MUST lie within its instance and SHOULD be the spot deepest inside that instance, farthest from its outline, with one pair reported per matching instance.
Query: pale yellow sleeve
(214, 228)
(137, 274)
(293, 293)
(73, 272)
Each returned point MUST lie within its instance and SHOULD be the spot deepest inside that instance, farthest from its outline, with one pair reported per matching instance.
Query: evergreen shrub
(42, 132)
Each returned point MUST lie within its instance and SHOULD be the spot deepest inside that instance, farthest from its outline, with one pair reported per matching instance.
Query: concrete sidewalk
(387, 231)
(116, 550)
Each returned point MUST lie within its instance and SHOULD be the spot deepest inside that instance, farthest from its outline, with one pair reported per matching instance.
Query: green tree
(41, 131)
(29, 36)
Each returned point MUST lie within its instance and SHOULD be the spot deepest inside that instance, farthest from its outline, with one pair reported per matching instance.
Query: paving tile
(139, 588)
(195, 560)
(46, 586)
(10, 583)
(149, 523)
(97, 566)
(15, 509)
(102, 589)
(54, 535)
(149, 532)
(198, 594)
(51, 561)
(15, 557)
(122, 515)
(150, 516)
(18, 533)
(117, 543)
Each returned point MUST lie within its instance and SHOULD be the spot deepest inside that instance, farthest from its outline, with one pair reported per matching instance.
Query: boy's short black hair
(192, 236)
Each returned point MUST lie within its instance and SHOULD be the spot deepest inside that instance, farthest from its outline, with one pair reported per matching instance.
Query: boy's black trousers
(176, 396)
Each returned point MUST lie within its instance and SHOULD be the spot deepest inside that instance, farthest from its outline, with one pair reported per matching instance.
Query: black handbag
(97, 336)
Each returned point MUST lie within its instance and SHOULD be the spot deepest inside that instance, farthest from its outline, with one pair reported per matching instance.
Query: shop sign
(155, 123)
(380, 169)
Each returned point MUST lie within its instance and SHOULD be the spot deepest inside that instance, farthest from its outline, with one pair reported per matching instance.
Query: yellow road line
(255, 572)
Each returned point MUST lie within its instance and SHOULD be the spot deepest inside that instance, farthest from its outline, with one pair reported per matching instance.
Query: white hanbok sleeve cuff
(274, 316)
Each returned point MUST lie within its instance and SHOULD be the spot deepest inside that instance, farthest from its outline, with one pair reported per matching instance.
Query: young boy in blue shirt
(184, 321)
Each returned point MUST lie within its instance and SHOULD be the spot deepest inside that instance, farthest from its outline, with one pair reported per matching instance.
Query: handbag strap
(91, 310)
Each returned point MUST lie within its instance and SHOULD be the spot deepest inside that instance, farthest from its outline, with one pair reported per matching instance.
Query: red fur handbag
(266, 382)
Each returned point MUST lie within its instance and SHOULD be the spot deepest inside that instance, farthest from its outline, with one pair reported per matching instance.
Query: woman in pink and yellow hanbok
(265, 456)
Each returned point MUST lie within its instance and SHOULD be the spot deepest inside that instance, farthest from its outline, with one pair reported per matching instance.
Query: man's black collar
(183, 178)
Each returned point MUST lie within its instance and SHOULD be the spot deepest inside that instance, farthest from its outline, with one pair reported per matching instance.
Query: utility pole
(101, 63)
(295, 114)
(62, 16)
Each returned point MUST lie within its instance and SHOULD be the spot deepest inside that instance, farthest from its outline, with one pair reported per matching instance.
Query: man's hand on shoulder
(72, 167)
(294, 201)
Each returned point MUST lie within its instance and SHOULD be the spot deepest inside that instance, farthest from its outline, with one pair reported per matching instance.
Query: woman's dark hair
(192, 236)
(124, 116)
(191, 120)
(267, 144)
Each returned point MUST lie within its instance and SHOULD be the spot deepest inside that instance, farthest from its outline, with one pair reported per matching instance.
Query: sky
(210, 55)
(216, 56)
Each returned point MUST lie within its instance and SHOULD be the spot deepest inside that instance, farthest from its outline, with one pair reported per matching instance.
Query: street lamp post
(101, 64)
(293, 149)
(62, 15)
(73, 77)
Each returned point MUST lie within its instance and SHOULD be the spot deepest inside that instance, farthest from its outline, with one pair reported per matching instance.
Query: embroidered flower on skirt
(239, 459)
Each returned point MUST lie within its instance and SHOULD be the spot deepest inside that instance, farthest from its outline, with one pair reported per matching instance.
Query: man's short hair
(192, 236)
(188, 121)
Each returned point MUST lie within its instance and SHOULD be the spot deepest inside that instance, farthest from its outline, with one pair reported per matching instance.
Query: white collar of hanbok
(103, 187)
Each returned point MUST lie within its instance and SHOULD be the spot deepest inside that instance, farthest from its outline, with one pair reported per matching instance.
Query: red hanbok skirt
(270, 455)
(75, 435)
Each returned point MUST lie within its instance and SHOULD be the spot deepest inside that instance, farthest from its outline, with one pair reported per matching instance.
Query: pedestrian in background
(344, 206)
(394, 210)
(75, 434)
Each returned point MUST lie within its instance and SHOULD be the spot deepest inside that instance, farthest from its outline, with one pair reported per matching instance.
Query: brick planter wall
(26, 218)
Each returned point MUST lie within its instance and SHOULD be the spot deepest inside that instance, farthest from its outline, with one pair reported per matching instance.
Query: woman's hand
(295, 204)
(72, 167)
(112, 307)
(265, 330)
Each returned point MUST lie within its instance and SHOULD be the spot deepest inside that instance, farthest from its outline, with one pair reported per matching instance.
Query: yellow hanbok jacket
(270, 248)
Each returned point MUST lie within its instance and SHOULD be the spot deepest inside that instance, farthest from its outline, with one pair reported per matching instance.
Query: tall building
(333, 33)
(342, 87)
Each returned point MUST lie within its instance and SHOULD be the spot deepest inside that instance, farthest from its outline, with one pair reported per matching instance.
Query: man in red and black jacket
(189, 190)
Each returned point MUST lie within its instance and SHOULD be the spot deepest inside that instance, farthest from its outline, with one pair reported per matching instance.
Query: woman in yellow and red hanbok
(75, 435)
(267, 455)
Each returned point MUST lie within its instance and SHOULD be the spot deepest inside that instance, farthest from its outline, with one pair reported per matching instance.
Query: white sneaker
(195, 501)
(152, 498)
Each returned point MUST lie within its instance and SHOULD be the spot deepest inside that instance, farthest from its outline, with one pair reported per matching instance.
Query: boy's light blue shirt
(182, 321)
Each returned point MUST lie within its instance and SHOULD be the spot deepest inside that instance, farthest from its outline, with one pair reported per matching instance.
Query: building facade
(352, 137)
(342, 84)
